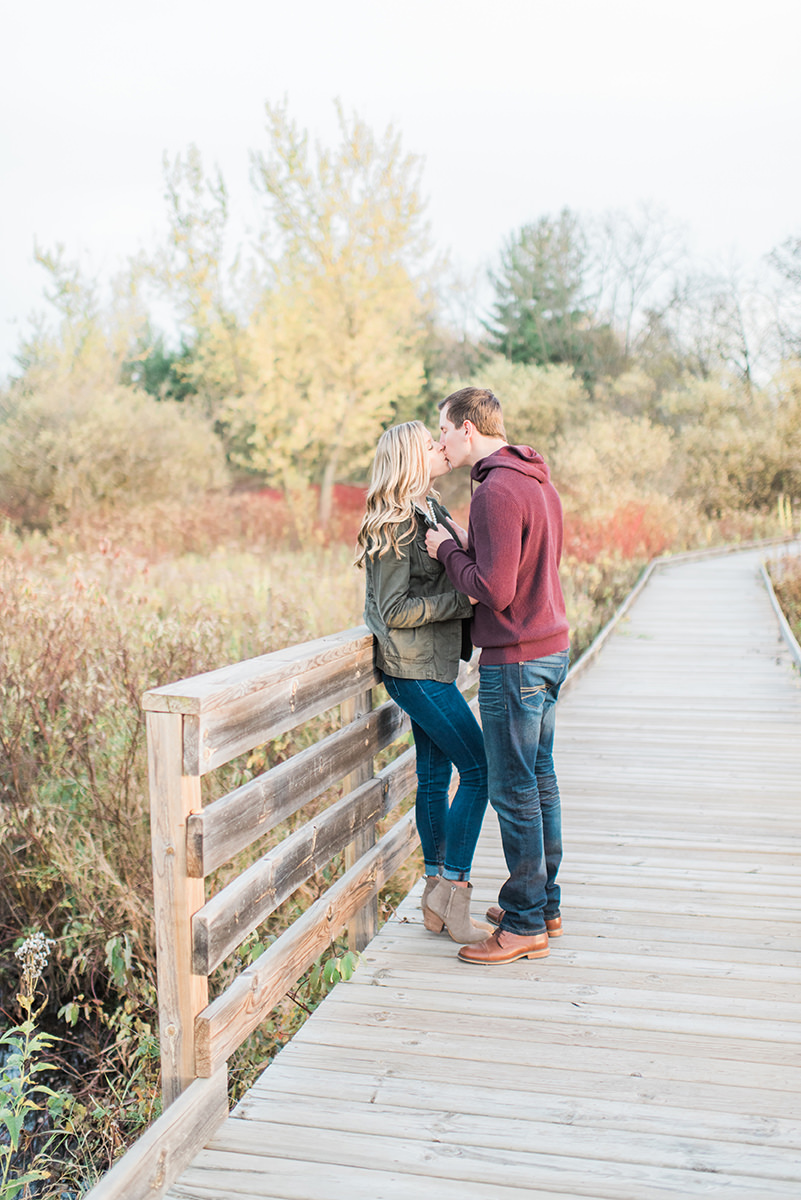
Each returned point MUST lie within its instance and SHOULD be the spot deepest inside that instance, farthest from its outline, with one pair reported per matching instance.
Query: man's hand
(461, 534)
(435, 538)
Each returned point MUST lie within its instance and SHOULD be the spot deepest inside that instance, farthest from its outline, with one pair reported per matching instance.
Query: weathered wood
(181, 993)
(568, 1047)
(217, 735)
(414, 1064)
(301, 1083)
(249, 899)
(231, 824)
(383, 1164)
(171, 1142)
(287, 1179)
(236, 910)
(364, 924)
(514, 1131)
(217, 689)
(658, 1003)
(398, 780)
(703, 1036)
(228, 1020)
(657, 1050)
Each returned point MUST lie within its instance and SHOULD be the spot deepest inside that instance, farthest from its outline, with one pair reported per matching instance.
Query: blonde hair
(401, 472)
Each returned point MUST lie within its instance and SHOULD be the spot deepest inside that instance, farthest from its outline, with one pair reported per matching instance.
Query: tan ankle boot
(449, 905)
(430, 919)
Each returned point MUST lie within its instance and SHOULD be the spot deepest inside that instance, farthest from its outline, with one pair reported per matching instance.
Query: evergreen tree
(542, 313)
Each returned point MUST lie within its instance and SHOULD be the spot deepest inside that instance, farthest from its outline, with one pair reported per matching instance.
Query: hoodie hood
(513, 458)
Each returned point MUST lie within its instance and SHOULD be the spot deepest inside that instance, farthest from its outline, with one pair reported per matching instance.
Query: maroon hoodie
(512, 559)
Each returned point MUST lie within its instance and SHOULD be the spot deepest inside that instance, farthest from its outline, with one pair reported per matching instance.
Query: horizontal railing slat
(222, 1027)
(216, 689)
(214, 737)
(169, 1145)
(232, 823)
(237, 909)
(222, 924)
(398, 779)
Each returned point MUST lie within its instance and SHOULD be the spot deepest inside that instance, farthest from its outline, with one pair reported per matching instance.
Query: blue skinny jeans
(446, 734)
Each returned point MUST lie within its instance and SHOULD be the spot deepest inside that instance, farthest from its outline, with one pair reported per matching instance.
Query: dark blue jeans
(446, 734)
(518, 712)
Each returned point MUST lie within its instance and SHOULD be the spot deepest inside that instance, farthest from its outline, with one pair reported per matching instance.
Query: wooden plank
(590, 1176)
(733, 1039)
(397, 968)
(232, 823)
(376, 1087)
(291, 1179)
(399, 781)
(182, 994)
(228, 1020)
(363, 926)
(656, 1051)
(237, 909)
(605, 954)
(219, 688)
(569, 1049)
(594, 1078)
(218, 734)
(222, 923)
(160, 1155)
(646, 1009)
(508, 1131)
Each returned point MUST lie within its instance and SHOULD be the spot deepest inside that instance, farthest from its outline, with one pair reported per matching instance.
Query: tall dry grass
(90, 618)
(786, 579)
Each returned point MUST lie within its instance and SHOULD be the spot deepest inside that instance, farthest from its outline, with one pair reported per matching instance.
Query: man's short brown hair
(480, 406)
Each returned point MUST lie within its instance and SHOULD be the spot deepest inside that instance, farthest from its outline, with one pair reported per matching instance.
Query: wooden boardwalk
(655, 1053)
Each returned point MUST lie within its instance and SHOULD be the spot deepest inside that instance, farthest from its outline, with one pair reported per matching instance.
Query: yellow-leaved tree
(539, 402)
(335, 346)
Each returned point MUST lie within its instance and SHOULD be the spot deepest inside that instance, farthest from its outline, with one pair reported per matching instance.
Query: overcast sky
(518, 107)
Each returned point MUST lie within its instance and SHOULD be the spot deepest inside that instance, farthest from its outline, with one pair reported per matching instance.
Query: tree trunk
(325, 503)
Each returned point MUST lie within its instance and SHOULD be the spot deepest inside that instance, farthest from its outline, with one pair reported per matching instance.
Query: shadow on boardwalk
(655, 1053)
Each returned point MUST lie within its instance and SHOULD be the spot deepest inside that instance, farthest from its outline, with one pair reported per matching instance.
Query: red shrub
(632, 530)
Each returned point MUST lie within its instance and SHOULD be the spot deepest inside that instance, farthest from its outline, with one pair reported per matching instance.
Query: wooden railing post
(181, 994)
(364, 925)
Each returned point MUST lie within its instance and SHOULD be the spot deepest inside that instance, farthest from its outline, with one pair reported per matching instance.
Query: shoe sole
(502, 962)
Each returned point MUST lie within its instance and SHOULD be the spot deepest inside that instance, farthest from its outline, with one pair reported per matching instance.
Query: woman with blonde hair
(417, 618)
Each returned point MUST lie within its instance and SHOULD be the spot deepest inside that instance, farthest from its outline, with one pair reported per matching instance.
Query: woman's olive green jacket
(413, 609)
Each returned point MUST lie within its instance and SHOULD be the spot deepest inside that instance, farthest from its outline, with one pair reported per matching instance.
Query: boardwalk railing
(195, 727)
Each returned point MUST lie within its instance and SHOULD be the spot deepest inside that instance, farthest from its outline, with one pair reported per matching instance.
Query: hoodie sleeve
(488, 569)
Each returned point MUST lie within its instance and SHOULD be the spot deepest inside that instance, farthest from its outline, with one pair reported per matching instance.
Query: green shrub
(70, 442)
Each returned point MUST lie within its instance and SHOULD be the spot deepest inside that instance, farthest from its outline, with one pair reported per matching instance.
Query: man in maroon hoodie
(509, 565)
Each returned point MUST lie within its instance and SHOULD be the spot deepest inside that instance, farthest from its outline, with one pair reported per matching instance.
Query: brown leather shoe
(552, 924)
(505, 947)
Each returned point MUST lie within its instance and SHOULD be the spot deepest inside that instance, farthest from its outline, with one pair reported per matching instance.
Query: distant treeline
(642, 377)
